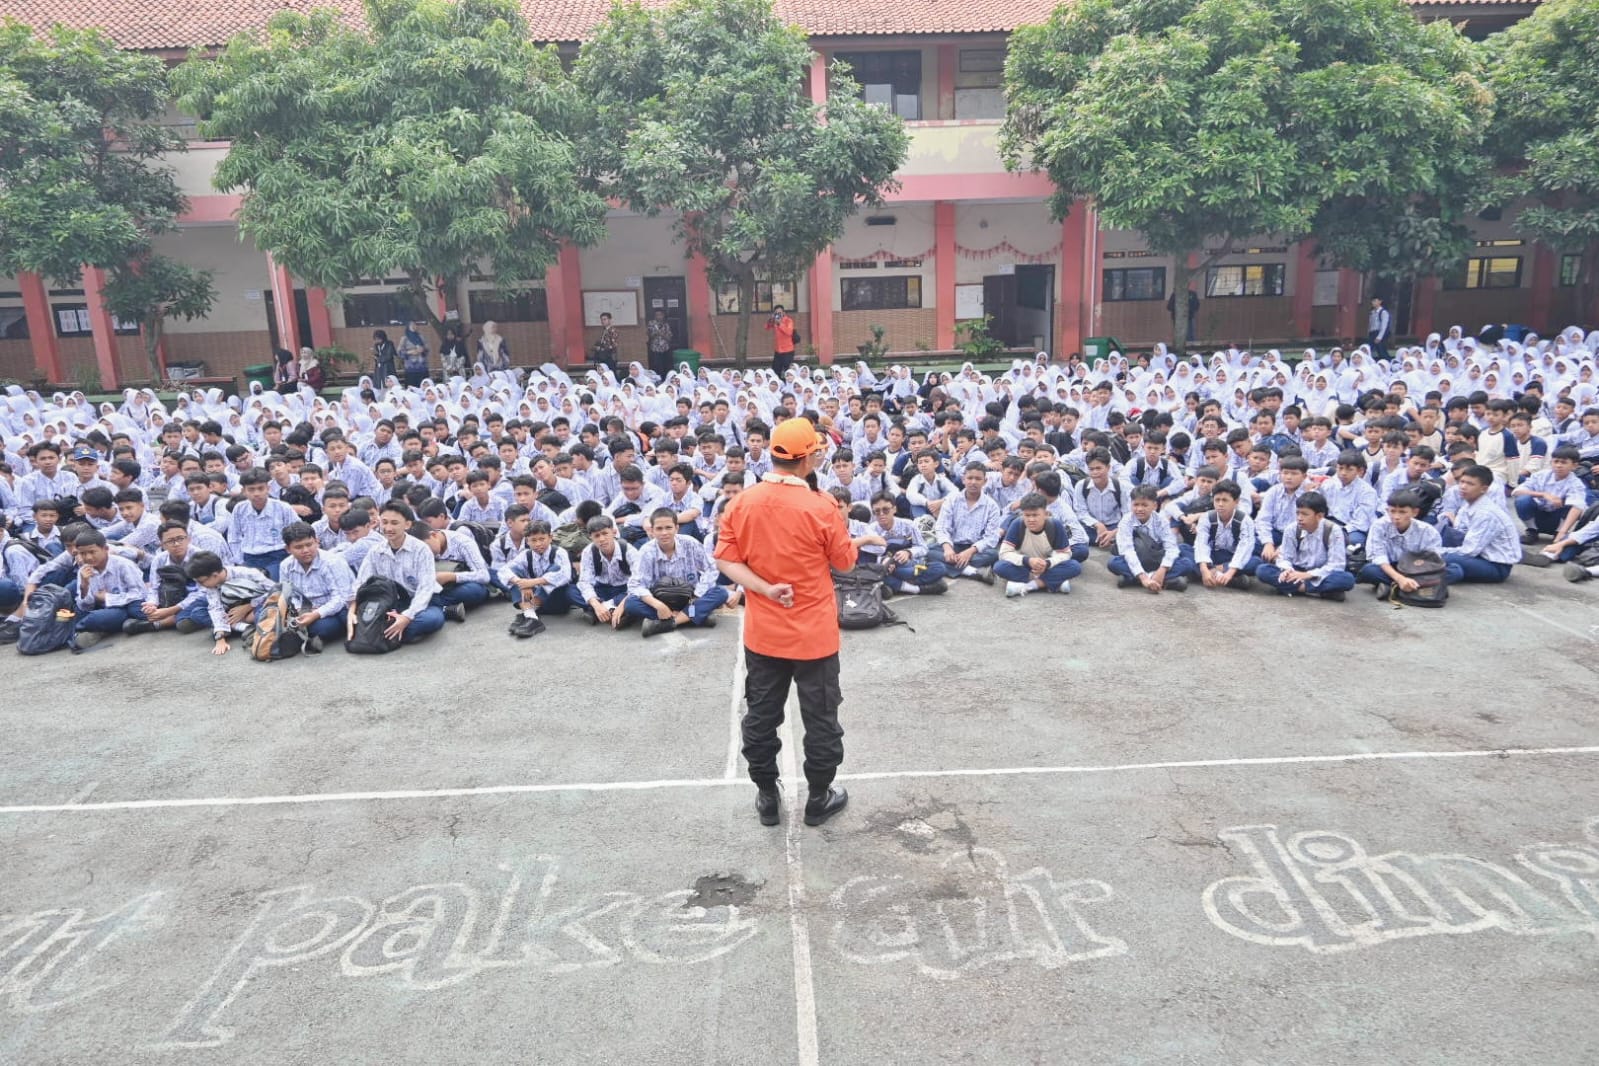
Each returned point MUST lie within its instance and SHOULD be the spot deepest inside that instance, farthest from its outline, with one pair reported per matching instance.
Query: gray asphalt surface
(1075, 835)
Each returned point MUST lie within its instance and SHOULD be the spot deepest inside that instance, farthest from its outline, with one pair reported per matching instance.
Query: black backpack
(1430, 490)
(860, 598)
(373, 602)
(481, 532)
(49, 621)
(171, 585)
(1427, 570)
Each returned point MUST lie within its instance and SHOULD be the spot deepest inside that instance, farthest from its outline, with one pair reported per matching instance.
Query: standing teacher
(778, 540)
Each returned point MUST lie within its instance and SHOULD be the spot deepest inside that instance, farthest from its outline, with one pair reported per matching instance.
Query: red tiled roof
(179, 24)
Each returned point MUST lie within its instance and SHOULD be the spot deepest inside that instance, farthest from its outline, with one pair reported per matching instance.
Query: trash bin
(261, 372)
(686, 355)
(1100, 347)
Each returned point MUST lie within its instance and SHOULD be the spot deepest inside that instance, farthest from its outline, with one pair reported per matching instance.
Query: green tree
(1200, 123)
(1546, 84)
(80, 174)
(153, 288)
(702, 109)
(431, 144)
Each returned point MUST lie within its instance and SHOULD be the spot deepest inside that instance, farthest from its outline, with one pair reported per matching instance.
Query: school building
(960, 238)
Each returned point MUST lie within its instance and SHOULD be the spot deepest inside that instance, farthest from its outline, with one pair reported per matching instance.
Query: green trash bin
(1100, 347)
(686, 355)
(261, 372)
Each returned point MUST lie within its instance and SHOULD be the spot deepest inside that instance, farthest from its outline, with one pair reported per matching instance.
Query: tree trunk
(1179, 303)
(419, 292)
(151, 329)
(746, 314)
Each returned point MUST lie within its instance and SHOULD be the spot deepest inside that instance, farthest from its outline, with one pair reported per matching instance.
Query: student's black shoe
(87, 640)
(134, 626)
(187, 625)
(1536, 560)
(1529, 536)
(985, 574)
(937, 588)
(653, 626)
(1127, 582)
(708, 622)
(819, 809)
(1176, 584)
(1576, 572)
(1336, 596)
(766, 805)
(590, 617)
(1383, 590)
(1241, 581)
(313, 646)
(522, 627)
(532, 627)
(455, 612)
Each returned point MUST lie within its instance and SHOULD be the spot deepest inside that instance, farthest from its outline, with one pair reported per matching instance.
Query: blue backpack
(42, 630)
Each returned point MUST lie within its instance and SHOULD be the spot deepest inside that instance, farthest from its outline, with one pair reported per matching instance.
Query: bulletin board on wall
(620, 304)
(968, 302)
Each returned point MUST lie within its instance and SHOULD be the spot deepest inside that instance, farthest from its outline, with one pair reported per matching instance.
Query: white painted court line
(735, 731)
(1592, 636)
(807, 1043)
(790, 773)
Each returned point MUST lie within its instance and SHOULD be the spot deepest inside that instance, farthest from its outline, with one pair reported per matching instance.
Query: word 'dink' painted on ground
(1323, 892)
(977, 913)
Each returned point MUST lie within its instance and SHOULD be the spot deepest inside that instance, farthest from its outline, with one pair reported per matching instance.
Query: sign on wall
(622, 306)
(968, 302)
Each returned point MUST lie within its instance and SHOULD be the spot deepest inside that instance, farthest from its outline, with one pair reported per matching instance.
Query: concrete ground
(1104, 828)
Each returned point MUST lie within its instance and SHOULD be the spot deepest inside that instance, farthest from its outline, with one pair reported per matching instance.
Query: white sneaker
(1014, 589)
(1065, 588)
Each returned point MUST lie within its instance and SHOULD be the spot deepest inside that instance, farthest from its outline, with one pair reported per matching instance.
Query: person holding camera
(781, 326)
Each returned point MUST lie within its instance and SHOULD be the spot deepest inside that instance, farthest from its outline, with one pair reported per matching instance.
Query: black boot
(766, 805)
(820, 807)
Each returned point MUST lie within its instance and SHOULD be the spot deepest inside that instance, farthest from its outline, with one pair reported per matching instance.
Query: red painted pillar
(701, 332)
(944, 273)
(948, 56)
(1349, 307)
(1543, 288)
(321, 318)
(1073, 282)
(563, 284)
(105, 334)
(1421, 317)
(443, 297)
(818, 81)
(1304, 298)
(41, 327)
(283, 305)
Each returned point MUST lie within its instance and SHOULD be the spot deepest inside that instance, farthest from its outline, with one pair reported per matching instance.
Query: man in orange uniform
(778, 541)
(782, 330)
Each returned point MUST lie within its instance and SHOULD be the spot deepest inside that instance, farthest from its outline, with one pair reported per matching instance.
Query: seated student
(908, 567)
(1007, 485)
(1224, 540)
(335, 502)
(539, 579)
(603, 572)
(509, 542)
(135, 527)
(18, 561)
(1185, 511)
(1279, 506)
(207, 570)
(1152, 468)
(110, 590)
(188, 614)
(1047, 483)
(322, 582)
(1311, 557)
(929, 490)
(968, 529)
(255, 526)
(1351, 501)
(1552, 500)
(45, 531)
(1482, 536)
(668, 557)
(633, 504)
(358, 537)
(409, 562)
(1399, 531)
(684, 501)
(479, 505)
(461, 571)
(1035, 551)
(1147, 550)
(1101, 498)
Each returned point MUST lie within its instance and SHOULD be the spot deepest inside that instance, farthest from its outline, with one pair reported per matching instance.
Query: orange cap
(794, 438)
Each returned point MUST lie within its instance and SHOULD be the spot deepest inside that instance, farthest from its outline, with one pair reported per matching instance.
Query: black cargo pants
(766, 684)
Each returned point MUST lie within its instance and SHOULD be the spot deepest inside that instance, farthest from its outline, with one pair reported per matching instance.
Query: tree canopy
(432, 145)
(702, 108)
(1200, 123)
(1546, 130)
(80, 177)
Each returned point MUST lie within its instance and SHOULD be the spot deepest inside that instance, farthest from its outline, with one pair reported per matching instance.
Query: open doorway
(669, 295)
(1396, 296)
(1021, 307)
